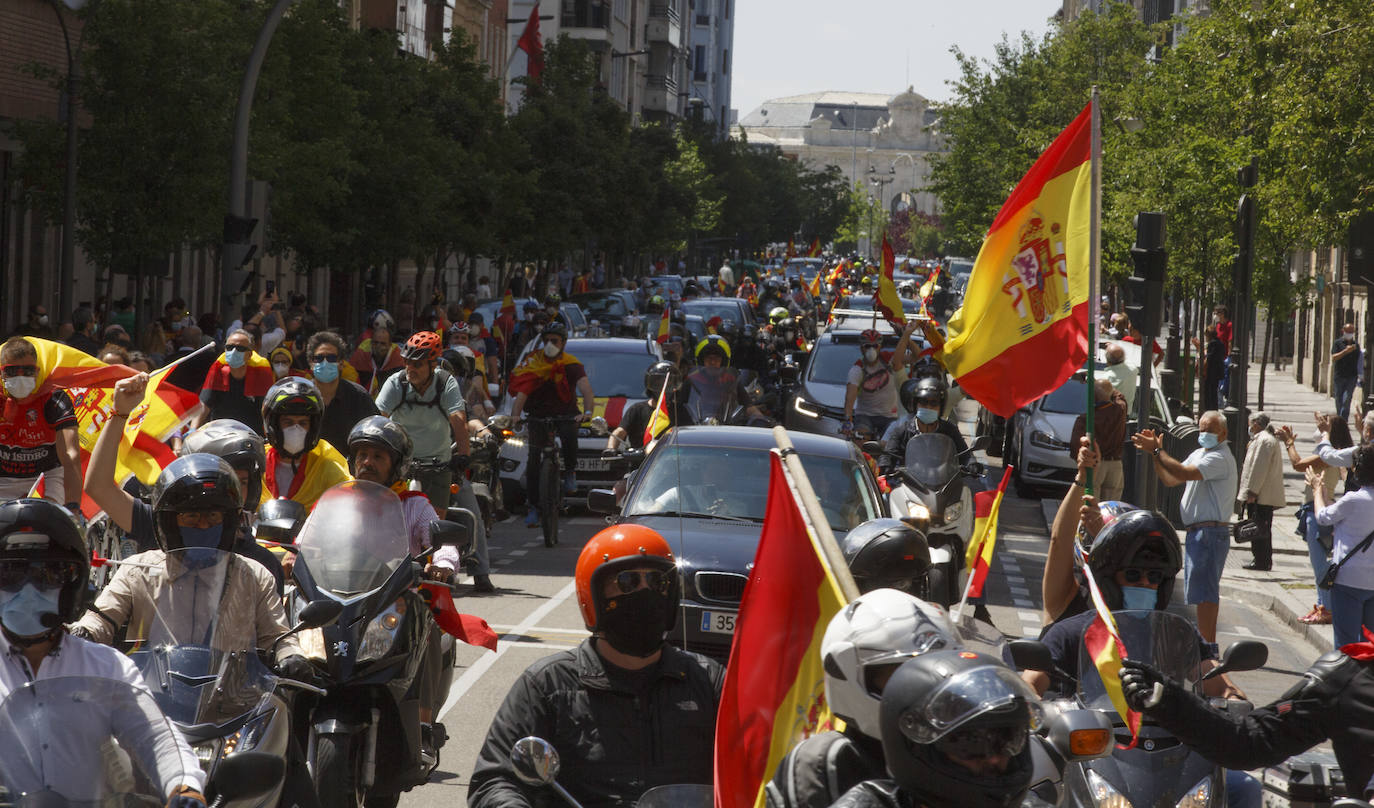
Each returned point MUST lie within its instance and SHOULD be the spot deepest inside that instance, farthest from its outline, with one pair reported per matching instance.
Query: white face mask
(20, 386)
(280, 368)
(552, 351)
(293, 439)
(870, 355)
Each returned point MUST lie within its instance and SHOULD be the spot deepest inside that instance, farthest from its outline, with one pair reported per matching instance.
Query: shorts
(1204, 558)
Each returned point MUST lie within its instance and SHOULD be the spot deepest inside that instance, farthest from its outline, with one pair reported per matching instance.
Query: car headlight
(1046, 441)
(1104, 794)
(805, 407)
(312, 645)
(1199, 796)
(381, 632)
(953, 512)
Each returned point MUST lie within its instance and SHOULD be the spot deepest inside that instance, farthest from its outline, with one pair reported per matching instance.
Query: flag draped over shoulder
(774, 693)
(257, 381)
(886, 302)
(61, 366)
(171, 400)
(538, 369)
(978, 557)
(1103, 643)
(1023, 327)
(659, 421)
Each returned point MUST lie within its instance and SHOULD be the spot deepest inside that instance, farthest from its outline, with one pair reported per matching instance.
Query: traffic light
(1145, 289)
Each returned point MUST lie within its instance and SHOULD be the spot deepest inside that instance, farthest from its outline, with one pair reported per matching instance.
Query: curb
(1285, 606)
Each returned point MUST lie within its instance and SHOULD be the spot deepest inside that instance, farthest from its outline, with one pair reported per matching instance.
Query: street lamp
(880, 180)
(68, 257)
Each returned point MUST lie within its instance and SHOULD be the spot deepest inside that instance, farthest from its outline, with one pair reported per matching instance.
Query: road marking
(484, 663)
(580, 632)
(1022, 603)
(517, 553)
(1242, 631)
(1017, 589)
(533, 543)
(501, 562)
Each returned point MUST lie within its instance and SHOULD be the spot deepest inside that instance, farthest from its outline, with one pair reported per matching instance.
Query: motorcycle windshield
(711, 395)
(63, 736)
(354, 539)
(677, 796)
(932, 460)
(1168, 642)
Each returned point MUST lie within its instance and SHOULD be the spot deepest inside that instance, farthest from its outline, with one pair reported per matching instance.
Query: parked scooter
(931, 490)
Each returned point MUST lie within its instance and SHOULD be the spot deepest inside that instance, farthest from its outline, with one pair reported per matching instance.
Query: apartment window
(699, 63)
(727, 8)
(725, 62)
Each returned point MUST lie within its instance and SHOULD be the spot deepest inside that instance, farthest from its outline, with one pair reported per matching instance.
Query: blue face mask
(1208, 440)
(1139, 597)
(23, 612)
(926, 415)
(325, 371)
(235, 359)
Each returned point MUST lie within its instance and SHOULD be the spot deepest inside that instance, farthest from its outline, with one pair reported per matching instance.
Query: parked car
(705, 489)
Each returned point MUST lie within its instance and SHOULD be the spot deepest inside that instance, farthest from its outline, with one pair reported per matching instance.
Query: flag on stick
(658, 422)
(886, 302)
(170, 402)
(978, 557)
(533, 45)
(665, 324)
(814, 251)
(1103, 642)
(1023, 327)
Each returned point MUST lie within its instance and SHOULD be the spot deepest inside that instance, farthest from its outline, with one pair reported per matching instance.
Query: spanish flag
(659, 421)
(169, 403)
(791, 251)
(978, 557)
(1023, 328)
(774, 691)
(815, 287)
(538, 369)
(255, 384)
(61, 367)
(320, 469)
(665, 324)
(886, 302)
(814, 251)
(1103, 642)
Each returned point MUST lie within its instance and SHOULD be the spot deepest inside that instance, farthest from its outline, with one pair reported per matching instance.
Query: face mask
(552, 351)
(634, 624)
(202, 537)
(1208, 440)
(235, 359)
(926, 415)
(870, 355)
(1139, 597)
(20, 386)
(280, 368)
(23, 613)
(293, 439)
(326, 371)
(42, 319)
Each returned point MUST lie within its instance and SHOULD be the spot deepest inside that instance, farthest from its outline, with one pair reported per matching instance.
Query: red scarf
(255, 383)
(271, 474)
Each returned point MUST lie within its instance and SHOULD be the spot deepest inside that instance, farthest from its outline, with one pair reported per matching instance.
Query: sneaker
(532, 518)
(482, 584)
(570, 482)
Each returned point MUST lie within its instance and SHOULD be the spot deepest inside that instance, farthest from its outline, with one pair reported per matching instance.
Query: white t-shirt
(877, 388)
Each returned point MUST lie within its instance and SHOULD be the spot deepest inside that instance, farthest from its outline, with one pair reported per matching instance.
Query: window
(725, 62)
(699, 63)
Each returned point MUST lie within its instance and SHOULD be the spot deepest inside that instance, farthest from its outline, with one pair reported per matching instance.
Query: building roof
(837, 106)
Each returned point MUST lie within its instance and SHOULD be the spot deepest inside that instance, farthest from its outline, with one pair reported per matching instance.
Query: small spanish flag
(815, 288)
(886, 302)
(814, 251)
(1102, 641)
(665, 323)
(658, 422)
(978, 557)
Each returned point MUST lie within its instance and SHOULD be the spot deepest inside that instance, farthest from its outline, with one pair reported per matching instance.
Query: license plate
(718, 622)
(592, 464)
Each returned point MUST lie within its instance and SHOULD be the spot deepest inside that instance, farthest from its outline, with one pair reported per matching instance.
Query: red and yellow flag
(815, 287)
(665, 325)
(171, 400)
(774, 691)
(978, 557)
(1023, 327)
(320, 469)
(538, 369)
(61, 366)
(887, 302)
(814, 251)
(1103, 642)
(255, 384)
(791, 251)
(658, 422)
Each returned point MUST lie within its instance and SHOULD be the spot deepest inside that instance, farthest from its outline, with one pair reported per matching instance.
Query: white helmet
(876, 632)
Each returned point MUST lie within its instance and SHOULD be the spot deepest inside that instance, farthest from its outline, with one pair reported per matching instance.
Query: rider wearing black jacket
(924, 399)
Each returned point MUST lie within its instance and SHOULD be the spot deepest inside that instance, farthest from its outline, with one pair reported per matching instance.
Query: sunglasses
(933, 402)
(325, 357)
(192, 518)
(1134, 576)
(630, 580)
(977, 743)
(236, 348)
(43, 574)
(20, 370)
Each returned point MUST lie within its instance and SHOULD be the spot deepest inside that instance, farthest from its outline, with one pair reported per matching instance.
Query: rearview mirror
(535, 761)
(873, 448)
(451, 532)
(1031, 655)
(602, 500)
(980, 443)
(319, 613)
(1246, 655)
(244, 775)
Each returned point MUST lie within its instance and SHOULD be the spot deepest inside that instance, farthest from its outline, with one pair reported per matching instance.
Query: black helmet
(926, 387)
(385, 433)
(239, 446)
(281, 519)
(196, 482)
(655, 375)
(459, 364)
(556, 329)
(292, 395)
(713, 344)
(37, 531)
(964, 704)
(1141, 539)
(887, 554)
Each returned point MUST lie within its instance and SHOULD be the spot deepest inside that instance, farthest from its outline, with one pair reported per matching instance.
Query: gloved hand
(296, 667)
(1142, 684)
(459, 463)
(186, 797)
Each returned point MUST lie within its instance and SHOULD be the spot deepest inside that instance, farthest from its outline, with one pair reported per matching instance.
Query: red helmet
(870, 336)
(423, 345)
(616, 548)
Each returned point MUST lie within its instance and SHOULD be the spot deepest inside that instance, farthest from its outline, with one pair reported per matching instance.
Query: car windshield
(708, 309)
(865, 303)
(615, 374)
(573, 314)
(668, 283)
(1070, 398)
(610, 305)
(687, 480)
(830, 361)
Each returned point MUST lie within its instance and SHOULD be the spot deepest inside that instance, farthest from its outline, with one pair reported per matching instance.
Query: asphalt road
(535, 610)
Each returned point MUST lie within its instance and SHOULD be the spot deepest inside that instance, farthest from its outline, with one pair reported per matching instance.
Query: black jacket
(1334, 699)
(818, 771)
(613, 743)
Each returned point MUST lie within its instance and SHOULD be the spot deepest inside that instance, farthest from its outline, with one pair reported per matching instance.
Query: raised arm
(101, 485)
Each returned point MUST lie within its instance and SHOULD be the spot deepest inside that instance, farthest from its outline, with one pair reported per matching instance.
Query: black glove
(1143, 685)
(459, 463)
(296, 667)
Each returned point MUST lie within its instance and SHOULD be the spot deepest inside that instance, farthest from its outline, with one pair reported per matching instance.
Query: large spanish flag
(1023, 327)
(1103, 642)
(61, 367)
(774, 691)
(979, 554)
(887, 302)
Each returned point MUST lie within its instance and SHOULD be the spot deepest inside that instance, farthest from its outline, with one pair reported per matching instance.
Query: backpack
(441, 378)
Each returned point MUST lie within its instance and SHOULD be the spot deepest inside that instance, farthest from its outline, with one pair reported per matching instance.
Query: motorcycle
(712, 396)
(932, 493)
(364, 741)
(91, 741)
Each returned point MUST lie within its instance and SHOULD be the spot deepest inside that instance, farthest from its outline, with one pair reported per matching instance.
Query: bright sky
(791, 47)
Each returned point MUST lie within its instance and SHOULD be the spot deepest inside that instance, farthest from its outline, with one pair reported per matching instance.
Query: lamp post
(880, 181)
(68, 256)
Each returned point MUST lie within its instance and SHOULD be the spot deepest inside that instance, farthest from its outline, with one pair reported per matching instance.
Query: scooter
(931, 491)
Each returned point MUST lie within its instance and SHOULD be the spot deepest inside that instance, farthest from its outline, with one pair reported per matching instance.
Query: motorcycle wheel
(938, 585)
(338, 761)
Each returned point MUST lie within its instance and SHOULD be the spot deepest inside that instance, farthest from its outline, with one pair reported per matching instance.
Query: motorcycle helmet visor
(964, 697)
(46, 573)
(977, 743)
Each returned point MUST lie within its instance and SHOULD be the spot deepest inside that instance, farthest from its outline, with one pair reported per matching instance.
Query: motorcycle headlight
(1046, 441)
(916, 510)
(806, 408)
(953, 512)
(1199, 796)
(312, 645)
(381, 632)
(206, 753)
(248, 736)
(1104, 794)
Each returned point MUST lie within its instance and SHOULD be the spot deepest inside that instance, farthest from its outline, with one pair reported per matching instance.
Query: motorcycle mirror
(1031, 655)
(1080, 735)
(319, 613)
(535, 761)
(455, 531)
(1246, 655)
(244, 775)
(975, 470)
(980, 443)
(602, 500)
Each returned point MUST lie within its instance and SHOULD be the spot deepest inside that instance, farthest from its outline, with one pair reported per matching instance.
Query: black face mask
(634, 624)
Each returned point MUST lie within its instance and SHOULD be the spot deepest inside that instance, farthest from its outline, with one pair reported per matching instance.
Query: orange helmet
(423, 345)
(616, 548)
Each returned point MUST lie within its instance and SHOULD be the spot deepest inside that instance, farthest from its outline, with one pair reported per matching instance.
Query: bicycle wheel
(550, 497)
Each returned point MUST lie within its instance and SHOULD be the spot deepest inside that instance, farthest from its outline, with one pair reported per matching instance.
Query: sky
(791, 47)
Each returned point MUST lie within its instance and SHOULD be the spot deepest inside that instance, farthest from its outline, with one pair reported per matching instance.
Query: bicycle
(550, 475)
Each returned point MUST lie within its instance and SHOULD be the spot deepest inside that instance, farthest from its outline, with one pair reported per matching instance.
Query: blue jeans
(1242, 790)
(1351, 608)
(1342, 388)
(1317, 554)
(1204, 558)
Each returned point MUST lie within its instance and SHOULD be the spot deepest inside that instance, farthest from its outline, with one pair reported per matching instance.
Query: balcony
(660, 95)
(663, 24)
(588, 20)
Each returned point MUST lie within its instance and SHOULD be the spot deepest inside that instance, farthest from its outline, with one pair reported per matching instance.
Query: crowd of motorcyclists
(286, 576)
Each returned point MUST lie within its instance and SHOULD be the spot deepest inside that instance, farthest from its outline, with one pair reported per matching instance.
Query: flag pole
(1094, 273)
(814, 516)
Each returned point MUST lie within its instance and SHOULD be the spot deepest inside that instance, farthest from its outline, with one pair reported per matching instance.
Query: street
(535, 611)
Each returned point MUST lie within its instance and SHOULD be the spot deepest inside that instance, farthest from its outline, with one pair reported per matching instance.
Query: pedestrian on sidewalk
(1109, 424)
(1352, 596)
(1261, 488)
(1345, 369)
(1318, 537)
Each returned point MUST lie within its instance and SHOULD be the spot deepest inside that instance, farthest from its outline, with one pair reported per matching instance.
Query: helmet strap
(53, 635)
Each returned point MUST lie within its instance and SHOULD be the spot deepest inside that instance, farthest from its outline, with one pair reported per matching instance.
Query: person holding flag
(870, 396)
(644, 421)
(235, 386)
(38, 425)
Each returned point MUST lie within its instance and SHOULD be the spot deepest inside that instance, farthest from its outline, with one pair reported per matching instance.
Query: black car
(614, 311)
(705, 490)
(734, 311)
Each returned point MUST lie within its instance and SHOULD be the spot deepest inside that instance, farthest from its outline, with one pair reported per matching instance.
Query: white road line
(534, 543)
(1022, 603)
(1017, 589)
(509, 628)
(1242, 631)
(517, 553)
(1028, 616)
(501, 562)
(484, 663)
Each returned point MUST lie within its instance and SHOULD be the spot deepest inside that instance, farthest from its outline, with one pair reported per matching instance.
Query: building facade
(709, 58)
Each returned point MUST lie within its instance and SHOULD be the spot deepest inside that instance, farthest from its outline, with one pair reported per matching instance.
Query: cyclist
(870, 397)
(543, 385)
(44, 573)
(428, 402)
(300, 465)
(637, 416)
